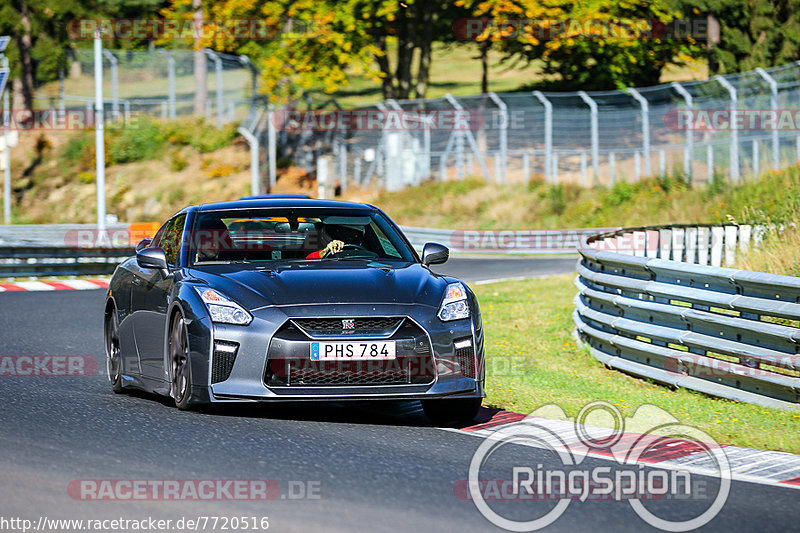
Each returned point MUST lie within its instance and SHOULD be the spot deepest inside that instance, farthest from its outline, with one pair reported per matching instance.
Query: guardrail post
(688, 151)
(548, 134)
(645, 129)
(734, 149)
(503, 134)
(595, 133)
(773, 104)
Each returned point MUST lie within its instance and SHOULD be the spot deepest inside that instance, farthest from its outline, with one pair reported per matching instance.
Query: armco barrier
(520, 241)
(656, 302)
(67, 249)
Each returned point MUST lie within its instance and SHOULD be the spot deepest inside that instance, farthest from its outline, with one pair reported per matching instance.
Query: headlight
(222, 309)
(455, 305)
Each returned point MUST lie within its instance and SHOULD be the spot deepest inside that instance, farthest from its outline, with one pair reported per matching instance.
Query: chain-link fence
(156, 82)
(736, 125)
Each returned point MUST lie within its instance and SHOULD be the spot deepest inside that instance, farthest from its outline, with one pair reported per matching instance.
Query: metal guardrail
(34, 261)
(656, 302)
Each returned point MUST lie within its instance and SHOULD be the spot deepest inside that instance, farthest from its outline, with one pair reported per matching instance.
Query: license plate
(351, 351)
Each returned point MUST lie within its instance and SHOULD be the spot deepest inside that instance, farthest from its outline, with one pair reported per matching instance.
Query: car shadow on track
(407, 413)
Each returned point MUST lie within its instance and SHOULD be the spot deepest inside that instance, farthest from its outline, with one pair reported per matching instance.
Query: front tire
(452, 411)
(113, 351)
(180, 371)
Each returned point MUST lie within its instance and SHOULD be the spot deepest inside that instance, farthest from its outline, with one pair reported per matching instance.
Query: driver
(339, 236)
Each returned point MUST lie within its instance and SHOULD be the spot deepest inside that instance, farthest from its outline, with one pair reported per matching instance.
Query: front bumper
(265, 345)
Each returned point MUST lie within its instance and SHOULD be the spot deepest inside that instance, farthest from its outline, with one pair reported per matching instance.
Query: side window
(170, 240)
(388, 248)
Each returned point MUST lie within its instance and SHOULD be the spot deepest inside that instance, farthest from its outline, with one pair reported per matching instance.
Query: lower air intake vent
(222, 362)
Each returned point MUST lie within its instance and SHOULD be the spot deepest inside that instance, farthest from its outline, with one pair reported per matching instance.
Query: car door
(150, 296)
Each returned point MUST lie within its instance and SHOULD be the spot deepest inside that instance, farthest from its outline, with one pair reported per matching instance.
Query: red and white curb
(746, 464)
(61, 285)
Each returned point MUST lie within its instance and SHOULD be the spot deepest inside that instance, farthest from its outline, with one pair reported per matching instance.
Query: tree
(40, 35)
(596, 44)
(753, 33)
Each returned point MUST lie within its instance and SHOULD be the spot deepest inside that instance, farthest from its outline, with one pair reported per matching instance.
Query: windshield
(294, 234)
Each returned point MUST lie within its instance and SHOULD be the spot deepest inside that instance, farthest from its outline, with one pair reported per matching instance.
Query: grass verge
(533, 360)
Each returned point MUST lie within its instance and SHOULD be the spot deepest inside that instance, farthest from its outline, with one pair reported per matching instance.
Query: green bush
(137, 142)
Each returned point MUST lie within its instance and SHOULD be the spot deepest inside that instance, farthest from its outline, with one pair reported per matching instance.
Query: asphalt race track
(366, 467)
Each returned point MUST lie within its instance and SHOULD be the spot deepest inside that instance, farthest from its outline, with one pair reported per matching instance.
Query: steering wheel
(353, 249)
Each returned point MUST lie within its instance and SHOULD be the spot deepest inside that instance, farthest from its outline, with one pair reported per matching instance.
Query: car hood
(358, 282)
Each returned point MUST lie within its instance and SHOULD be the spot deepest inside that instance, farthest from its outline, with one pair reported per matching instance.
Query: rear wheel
(180, 373)
(113, 352)
(452, 411)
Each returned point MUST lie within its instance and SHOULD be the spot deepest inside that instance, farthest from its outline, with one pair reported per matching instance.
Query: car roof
(280, 202)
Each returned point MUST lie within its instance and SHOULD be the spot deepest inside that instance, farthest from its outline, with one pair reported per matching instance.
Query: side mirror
(434, 254)
(144, 243)
(153, 257)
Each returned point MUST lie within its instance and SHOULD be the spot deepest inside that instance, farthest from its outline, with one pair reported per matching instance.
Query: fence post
(734, 150)
(710, 161)
(503, 134)
(548, 134)
(611, 170)
(114, 83)
(218, 71)
(595, 134)
(526, 168)
(583, 169)
(272, 152)
(171, 81)
(343, 164)
(555, 168)
(645, 129)
(773, 104)
(689, 148)
(756, 161)
(322, 176)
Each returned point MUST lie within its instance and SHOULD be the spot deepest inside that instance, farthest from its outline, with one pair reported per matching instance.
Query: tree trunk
(24, 44)
(713, 40)
(427, 19)
(485, 45)
(200, 82)
(387, 85)
(18, 98)
(406, 37)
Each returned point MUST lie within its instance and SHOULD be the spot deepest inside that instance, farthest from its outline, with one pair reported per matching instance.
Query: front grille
(362, 327)
(222, 364)
(306, 373)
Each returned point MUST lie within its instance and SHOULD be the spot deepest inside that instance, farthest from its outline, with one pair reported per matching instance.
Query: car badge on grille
(348, 323)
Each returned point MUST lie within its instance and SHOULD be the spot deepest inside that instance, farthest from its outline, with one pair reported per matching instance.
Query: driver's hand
(332, 248)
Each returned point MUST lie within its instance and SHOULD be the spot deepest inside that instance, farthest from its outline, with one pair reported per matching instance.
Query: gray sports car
(272, 299)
